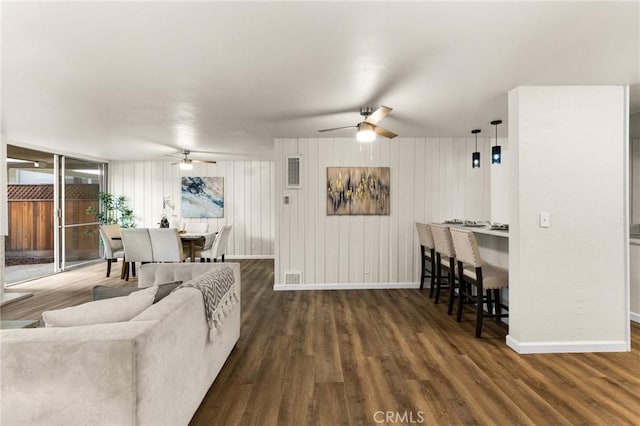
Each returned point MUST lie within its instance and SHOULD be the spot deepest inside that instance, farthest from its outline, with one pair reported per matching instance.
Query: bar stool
(445, 260)
(427, 254)
(485, 277)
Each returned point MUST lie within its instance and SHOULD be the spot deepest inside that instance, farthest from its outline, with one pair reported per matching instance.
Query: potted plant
(113, 210)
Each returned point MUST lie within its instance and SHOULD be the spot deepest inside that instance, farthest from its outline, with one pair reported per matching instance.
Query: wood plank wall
(248, 198)
(431, 180)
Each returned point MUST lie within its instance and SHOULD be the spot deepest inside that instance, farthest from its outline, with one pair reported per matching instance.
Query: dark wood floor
(348, 357)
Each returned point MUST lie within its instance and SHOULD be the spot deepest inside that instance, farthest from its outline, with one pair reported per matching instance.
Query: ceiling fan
(187, 163)
(367, 129)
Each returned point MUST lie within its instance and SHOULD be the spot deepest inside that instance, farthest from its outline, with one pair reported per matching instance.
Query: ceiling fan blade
(384, 132)
(378, 114)
(338, 128)
(204, 161)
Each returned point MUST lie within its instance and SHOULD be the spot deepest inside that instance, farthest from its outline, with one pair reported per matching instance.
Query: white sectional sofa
(152, 370)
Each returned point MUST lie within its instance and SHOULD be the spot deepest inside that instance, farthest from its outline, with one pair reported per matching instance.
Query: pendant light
(475, 157)
(496, 151)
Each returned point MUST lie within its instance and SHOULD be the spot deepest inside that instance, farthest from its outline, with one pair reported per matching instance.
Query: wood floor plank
(230, 409)
(298, 386)
(328, 365)
(266, 396)
(337, 357)
(540, 410)
(329, 405)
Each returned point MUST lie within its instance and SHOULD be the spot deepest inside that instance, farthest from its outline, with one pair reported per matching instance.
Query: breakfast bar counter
(493, 243)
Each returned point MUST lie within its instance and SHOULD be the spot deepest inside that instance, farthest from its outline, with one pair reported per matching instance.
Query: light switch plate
(545, 220)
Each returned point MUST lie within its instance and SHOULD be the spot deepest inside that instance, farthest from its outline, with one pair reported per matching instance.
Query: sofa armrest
(54, 376)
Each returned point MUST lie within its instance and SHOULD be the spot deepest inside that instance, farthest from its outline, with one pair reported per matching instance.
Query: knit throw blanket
(218, 290)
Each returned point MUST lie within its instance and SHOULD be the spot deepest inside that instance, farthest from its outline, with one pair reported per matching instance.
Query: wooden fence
(31, 229)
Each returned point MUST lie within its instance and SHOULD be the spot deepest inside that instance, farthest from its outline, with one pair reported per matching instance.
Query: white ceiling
(137, 80)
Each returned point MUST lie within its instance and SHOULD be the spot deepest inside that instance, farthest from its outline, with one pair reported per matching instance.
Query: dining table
(191, 238)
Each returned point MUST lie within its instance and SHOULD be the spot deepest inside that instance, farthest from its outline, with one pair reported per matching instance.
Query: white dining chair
(209, 239)
(137, 248)
(112, 247)
(219, 245)
(166, 245)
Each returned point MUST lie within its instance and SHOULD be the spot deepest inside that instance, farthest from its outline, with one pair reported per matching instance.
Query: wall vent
(293, 277)
(293, 172)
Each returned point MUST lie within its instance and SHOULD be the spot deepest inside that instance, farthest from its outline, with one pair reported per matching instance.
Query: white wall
(431, 180)
(634, 188)
(568, 283)
(248, 198)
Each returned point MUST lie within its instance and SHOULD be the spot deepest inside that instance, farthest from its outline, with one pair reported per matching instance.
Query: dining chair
(209, 239)
(426, 255)
(137, 248)
(166, 245)
(219, 245)
(445, 262)
(112, 247)
(473, 271)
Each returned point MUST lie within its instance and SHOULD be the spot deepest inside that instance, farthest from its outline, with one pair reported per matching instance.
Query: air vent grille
(293, 172)
(293, 277)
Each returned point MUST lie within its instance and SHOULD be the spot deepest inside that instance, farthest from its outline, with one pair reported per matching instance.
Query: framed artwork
(358, 191)
(202, 197)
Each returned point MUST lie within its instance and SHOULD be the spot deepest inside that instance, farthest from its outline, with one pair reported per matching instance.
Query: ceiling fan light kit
(187, 164)
(368, 128)
(366, 132)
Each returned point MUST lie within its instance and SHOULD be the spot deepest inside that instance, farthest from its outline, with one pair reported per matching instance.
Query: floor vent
(293, 277)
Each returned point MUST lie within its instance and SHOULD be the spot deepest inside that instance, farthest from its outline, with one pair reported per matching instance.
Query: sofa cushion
(165, 289)
(116, 309)
(101, 292)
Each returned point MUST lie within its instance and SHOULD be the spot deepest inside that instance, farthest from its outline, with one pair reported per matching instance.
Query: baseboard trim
(634, 317)
(13, 297)
(346, 286)
(566, 347)
(248, 256)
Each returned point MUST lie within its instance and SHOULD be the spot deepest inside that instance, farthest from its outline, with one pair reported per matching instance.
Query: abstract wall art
(358, 191)
(202, 197)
